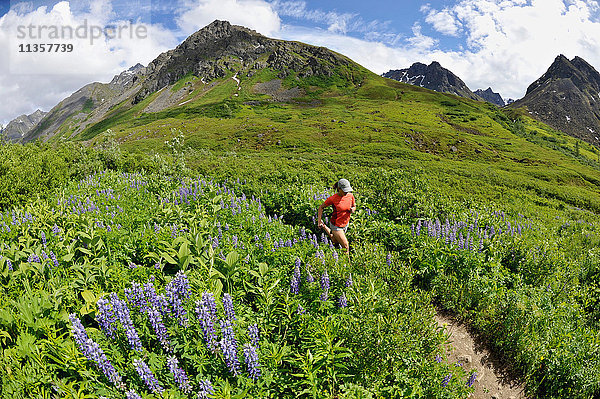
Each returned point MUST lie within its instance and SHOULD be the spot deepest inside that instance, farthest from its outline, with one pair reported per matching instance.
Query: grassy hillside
(480, 211)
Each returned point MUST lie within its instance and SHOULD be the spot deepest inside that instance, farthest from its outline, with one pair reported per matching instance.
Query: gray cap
(344, 185)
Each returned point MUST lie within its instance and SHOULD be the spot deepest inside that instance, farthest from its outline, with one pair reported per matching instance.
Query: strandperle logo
(83, 31)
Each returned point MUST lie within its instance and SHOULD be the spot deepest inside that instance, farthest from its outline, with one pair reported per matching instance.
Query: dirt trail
(493, 381)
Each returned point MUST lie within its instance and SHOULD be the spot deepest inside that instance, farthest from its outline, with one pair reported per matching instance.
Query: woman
(343, 205)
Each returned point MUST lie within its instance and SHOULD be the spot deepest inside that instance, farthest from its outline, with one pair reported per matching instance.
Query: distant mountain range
(433, 77)
(567, 97)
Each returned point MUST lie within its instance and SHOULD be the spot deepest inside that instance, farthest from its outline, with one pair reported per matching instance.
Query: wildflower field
(125, 284)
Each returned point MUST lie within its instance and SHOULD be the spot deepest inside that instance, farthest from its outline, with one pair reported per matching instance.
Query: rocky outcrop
(433, 77)
(21, 125)
(490, 96)
(567, 97)
(220, 48)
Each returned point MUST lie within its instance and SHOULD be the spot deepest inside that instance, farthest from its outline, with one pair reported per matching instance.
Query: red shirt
(341, 208)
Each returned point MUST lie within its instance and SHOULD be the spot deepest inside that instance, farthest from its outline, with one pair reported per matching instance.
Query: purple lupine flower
(43, 237)
(180, 377)
(471, 379)
(33, 258)
(297, 272)
(55, 230)
(228, 307)
(229, 346)
(324, 295)
(388, 259)
(154, 300)
(9, 264)
(438, 358)
(205, 389)
(147, 376)
(446, 380)
(54, 259)
(159, 328)
(93, 352)
(336, 257)
(79, 334)
(177, 291)
(349, 281)
(251, 359)
(253, 334)
(135, 296)
(106, 318)
(342, 301)
(206, 324)
(131, 394)
(122, 312)
(325, 281)
(295, 285)
(309, 277)
(209, 300)
(300, 310)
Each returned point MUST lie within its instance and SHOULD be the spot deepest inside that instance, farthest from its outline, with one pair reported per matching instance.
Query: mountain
(433, 77)
(21, 125)
(490, 96)
(567, 97)
(86, 106)
(206, 59)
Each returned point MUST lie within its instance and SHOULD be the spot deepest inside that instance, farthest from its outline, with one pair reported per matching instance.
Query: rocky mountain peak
(16, 129)
(567, 97)
(490, 96)
(221, 48)
(433, 77)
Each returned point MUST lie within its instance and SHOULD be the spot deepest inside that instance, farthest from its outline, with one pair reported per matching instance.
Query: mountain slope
(433, 77)
(567, 97)
(21, 125)
(204, 60)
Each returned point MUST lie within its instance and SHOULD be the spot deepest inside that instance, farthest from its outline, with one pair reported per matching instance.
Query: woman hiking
(344, 204)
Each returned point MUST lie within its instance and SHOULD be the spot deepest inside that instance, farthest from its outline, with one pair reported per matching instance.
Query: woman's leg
(340, 237)
(330, 234)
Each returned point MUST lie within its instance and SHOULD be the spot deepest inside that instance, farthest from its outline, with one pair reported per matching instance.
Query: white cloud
(443, 21)
(254, 14)
(42, 80)
(511, 43)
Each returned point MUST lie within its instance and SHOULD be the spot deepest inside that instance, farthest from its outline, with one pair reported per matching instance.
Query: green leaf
(89, 296)
(263, 268)
(68, 257)
(232, 258)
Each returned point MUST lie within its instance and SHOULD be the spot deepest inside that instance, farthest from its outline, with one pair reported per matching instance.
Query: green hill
(463, 206)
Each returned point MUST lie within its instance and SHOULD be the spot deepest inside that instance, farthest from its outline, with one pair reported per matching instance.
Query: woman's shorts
(333, 227)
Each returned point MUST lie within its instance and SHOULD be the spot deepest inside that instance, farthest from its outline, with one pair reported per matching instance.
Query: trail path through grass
(493, 379)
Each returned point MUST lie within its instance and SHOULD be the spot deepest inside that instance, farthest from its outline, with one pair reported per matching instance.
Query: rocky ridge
(433, 77)
(490, 96)
(16, 129)
(567, 97)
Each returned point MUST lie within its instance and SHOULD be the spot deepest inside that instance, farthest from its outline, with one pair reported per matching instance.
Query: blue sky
(505, 44)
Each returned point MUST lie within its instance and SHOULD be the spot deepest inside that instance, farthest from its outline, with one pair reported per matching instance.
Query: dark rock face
(567, 97)
(219, 47)
(21, 125)
(490, 96)
(433, 77)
